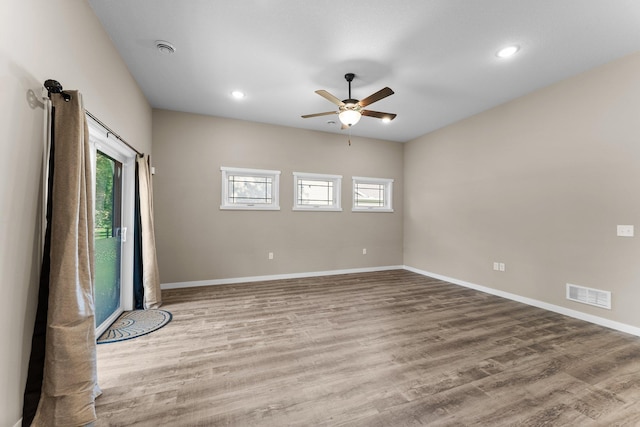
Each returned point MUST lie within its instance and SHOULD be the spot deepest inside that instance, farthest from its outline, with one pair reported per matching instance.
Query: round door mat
(132, 324)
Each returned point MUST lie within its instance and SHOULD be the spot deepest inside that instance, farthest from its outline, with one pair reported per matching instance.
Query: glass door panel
(107, 233)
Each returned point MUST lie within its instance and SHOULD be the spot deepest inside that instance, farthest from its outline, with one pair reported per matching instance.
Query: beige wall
(540, 184)
(197, 241)
(42, 39)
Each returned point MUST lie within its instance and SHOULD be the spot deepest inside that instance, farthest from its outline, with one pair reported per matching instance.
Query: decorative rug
(132, 324)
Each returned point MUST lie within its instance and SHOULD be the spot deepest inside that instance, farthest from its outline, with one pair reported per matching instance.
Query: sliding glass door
(113, 165)
(107, 234)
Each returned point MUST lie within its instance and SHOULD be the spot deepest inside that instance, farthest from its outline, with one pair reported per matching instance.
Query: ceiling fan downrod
(349, 78)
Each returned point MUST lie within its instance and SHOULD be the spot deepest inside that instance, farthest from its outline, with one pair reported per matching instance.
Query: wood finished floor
(375, 349)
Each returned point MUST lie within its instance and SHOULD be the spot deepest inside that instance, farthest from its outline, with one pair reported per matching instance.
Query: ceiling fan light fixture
(238, 94)
(349, 117)
(386, 120)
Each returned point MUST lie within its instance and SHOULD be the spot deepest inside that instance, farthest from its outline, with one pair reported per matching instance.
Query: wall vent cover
(589, 296)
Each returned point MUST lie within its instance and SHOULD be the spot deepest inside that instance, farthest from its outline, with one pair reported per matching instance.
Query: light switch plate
(625, 230)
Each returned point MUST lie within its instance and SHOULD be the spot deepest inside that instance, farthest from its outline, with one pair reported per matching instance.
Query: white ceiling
(437, 55)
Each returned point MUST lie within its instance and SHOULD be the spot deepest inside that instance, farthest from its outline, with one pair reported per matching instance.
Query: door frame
(100, 139)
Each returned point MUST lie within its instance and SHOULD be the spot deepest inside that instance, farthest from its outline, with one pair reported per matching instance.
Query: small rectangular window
(372, 194)
(250, 189)
(316, 192)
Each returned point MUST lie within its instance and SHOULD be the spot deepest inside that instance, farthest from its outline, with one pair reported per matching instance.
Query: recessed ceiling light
(507, 51)
(386, 120)
(165, 47)
(238, 94)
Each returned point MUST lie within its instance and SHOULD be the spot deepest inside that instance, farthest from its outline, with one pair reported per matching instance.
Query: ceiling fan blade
(306, 116)
(382, 93)
(328, 96)
(378, 114)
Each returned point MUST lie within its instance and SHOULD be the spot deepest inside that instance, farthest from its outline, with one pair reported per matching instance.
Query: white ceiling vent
(165, 47)
(589, 296)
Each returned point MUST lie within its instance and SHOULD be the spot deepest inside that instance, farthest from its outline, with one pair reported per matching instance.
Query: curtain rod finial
(54, 86)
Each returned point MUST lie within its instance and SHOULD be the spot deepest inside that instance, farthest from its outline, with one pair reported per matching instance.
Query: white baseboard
(19, 423)
(622, 327)
(178, 285)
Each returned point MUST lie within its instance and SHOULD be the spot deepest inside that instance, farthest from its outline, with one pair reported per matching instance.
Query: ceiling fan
(350, 110)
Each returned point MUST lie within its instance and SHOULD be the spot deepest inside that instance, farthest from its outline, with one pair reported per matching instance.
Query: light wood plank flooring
(375, 349)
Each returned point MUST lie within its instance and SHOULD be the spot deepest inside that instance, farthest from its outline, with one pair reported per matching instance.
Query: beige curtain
(150, 274)
(69, 385)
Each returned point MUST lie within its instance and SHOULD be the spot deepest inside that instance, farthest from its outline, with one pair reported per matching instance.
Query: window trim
(388, 194)
(337, 192)
(262, 173)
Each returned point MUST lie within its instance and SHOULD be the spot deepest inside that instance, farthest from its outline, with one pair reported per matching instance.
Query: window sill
(316, 209)
(371, 210)
(249, 208)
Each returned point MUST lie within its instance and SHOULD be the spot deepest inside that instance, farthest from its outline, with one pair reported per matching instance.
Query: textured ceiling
(437, 55)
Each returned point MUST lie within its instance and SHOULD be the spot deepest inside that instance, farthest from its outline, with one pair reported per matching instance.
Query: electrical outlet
(496, 266)
(364, 251)
(501, 266)
(270, 255)
(625, 231)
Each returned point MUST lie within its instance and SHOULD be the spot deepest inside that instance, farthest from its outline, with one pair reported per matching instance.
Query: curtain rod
(53, 86)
